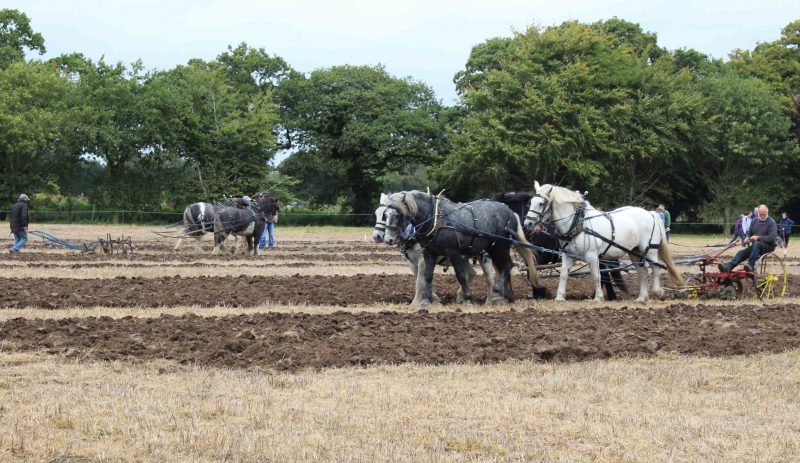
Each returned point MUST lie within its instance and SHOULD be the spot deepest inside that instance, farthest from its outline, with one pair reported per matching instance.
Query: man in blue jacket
(762, 236)
(19, 222)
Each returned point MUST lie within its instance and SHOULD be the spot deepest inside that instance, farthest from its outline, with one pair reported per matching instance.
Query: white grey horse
(412, 252)
(594, 234)
(198, 219)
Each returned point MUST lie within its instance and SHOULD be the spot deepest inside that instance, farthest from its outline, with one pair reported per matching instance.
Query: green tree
(778, 65)
(360, 122)
(32, 108)
(16, 35)
(752, 146)
(580, 105)
(222, 129)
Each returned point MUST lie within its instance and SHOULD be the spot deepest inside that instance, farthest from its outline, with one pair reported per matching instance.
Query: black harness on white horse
(578, 226)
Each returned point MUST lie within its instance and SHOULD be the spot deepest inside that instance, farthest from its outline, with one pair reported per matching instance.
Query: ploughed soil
(264, 257)
(297, 341)
(248, 291)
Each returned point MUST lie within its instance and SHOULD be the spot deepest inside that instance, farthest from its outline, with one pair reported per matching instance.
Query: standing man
(19, 223)
(271, 221)
(785, 230)
(664, 213)
(763, 235)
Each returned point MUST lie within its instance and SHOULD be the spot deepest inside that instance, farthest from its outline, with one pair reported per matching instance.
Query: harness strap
(613, 232)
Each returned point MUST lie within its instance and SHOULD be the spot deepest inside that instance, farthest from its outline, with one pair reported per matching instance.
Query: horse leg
(457, 261)
(566, 264)
(652, 254)
(251, 248)
(235, 247)
(594, 269)
(470, 274)
(430, 265)
(489, 274)
(502, 285)
(197, 245)
(417, 264)
(219, 238)
(178, 244)
(643, 290)
(605, 281)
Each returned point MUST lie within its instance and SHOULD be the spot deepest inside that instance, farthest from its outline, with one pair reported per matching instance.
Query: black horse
(520, 202)
(248, 222)
(445, 228)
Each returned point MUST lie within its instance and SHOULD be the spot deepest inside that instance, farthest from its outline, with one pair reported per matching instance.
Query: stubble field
(311, 353)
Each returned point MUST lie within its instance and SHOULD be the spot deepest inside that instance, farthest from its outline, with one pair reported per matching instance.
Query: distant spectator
(19, 223)
(785, 230)
(746, 221)
(664, 213)
(738, 229)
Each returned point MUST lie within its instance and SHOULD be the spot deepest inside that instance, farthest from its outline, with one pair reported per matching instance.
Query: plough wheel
(771, 281)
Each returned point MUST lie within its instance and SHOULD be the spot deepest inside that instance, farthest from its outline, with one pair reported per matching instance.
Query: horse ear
(384, 198)
(536, 186)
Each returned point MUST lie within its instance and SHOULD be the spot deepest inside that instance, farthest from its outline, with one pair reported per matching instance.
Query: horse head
(540, 209)
(395, 225)
(407, 207)
(380, 219)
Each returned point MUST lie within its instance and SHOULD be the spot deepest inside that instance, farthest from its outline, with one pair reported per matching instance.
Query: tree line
(598, 106)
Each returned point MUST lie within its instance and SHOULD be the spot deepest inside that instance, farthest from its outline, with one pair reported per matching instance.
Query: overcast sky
(428, 40)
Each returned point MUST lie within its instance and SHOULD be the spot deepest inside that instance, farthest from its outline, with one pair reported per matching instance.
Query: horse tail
(666, 256)
(527, 255)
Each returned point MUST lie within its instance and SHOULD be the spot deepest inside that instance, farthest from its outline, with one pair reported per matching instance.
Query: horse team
(237, 217)
(432, 230)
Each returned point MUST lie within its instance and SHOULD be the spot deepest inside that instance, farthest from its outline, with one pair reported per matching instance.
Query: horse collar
(576, 228)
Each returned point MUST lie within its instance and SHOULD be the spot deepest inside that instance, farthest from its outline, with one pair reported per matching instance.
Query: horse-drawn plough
(767, 282)
(123, 243)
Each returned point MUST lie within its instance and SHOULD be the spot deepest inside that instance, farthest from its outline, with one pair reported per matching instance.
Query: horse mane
(405, 201)
(563, 195)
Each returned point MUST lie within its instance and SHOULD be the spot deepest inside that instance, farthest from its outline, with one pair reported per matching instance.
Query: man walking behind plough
(19, 223)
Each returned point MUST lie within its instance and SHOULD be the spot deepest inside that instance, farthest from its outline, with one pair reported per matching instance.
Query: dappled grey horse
(412, 252)
(198, 219)
(445, 228)
(247, 222)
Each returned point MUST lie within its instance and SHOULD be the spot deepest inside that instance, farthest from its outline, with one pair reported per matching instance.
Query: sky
(427, 40)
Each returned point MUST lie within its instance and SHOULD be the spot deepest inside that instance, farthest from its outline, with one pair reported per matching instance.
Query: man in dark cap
(19, 222)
